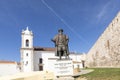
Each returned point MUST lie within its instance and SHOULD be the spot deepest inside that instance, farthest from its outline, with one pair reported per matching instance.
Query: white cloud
(104, 10)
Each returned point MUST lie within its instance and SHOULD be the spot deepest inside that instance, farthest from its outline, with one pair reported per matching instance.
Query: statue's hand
(52, 40)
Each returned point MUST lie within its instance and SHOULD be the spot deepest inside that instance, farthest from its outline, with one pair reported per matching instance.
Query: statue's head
(60, 30)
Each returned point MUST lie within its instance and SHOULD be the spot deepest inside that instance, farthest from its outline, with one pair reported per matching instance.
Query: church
(42, 58)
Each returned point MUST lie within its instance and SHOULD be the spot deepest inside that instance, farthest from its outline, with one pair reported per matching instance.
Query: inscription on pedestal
(63, 68)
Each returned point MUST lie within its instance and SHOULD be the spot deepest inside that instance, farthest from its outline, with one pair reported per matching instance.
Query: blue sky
(82, 20)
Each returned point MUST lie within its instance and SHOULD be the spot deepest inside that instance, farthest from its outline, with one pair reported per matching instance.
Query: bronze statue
(61, 44)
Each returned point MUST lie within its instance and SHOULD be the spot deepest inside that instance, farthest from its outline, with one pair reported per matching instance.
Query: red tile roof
(44, 49)
(7, 62)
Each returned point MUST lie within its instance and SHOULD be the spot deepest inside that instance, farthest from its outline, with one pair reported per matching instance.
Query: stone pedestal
(63, 68)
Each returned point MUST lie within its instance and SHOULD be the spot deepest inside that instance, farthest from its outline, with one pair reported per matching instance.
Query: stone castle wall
(106, 51)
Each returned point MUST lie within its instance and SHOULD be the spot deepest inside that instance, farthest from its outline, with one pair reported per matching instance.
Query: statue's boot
(65, 54)
(60, 55)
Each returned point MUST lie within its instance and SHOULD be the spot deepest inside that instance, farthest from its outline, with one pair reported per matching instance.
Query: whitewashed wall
(49, 60)
(8, 69)
(27, 67)
(49, 66)
(44, 55)
(36, 57)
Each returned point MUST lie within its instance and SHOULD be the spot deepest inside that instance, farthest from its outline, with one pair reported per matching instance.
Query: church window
(27, 43)
(40, 60)
(26, 63)
(26, 54)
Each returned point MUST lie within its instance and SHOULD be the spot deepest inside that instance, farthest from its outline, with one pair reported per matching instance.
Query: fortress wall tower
(106, 50)
(27, 51)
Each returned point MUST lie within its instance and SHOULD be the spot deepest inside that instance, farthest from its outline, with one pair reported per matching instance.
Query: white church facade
(41, 58)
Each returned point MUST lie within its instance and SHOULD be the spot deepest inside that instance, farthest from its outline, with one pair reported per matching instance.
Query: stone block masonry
(106, 51)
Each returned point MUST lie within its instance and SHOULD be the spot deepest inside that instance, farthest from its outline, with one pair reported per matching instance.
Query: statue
(61, 44)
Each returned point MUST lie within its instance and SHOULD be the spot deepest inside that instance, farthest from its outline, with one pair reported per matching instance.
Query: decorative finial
(22, 30)
(27, 28)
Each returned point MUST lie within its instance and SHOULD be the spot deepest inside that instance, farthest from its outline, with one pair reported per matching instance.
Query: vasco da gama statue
(61, 44)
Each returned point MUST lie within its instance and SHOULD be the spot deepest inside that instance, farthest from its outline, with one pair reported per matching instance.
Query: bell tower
(27, 39)
(26, 50)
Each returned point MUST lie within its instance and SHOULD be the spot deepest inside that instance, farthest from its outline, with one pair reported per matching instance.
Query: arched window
(26, 63)
(27, 43)
(40, 60)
